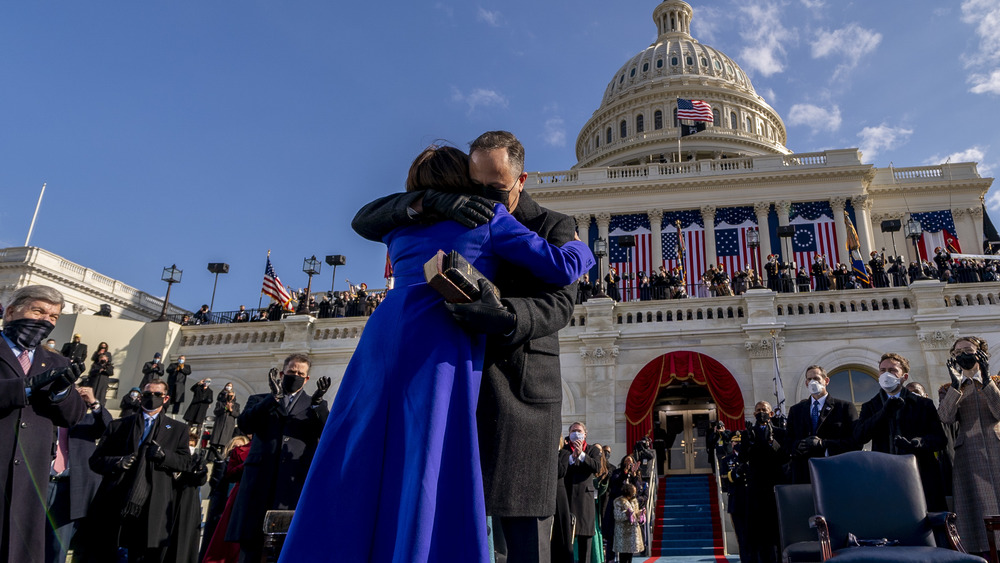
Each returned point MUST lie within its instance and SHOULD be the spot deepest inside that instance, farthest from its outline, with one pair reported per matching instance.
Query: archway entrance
(680, 391)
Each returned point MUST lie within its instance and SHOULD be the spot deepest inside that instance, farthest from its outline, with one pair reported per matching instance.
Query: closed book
(453, 277)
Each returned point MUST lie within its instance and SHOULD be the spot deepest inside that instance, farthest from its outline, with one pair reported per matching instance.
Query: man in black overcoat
(897, 421)
(75, 351)
(31, 405)
(72, 484)
(177, 373)
(286, 425)
(582, 461)
(829, 432)
(151, 370)
(520, 401)
(137, 457)
(201, 400)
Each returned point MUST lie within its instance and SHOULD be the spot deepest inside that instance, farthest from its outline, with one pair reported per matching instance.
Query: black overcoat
(83, 480)
(150, 370)
(177, 381)
(225, 422)
(201, 399)
(580, 488)
(26, 433)
(280, 453)
(836, 429)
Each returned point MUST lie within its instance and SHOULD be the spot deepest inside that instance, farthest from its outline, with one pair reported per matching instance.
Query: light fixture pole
(753, 241)
(216, 268)
(170, 275)
(913, 230)
(311, 267)
(600, 250)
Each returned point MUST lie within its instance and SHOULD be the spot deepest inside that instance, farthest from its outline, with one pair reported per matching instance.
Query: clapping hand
(322, 386)
(984, 365)
(955, 372)
(274, 381)
(154, 452)
(125, 462)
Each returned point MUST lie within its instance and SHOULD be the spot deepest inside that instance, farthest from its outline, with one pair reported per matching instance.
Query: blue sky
(193, 132)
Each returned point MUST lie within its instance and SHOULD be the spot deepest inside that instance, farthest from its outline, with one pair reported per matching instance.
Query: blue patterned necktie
(815, 415)
(145, 432)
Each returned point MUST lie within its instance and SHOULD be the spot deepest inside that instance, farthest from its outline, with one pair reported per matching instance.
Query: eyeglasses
(148, 394)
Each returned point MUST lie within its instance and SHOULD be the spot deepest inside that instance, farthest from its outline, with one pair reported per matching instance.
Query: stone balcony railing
(759, 310)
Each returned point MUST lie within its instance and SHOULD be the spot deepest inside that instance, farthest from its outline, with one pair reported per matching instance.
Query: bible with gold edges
(453, 277)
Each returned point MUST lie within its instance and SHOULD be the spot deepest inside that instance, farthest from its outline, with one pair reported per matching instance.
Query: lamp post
(311, 267)
(753, 241)
(600, 250)
(335, 260)
(913, 230)
(170, 275)
(216, 268)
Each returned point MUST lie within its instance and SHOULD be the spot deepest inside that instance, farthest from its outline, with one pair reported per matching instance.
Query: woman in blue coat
(396, 476)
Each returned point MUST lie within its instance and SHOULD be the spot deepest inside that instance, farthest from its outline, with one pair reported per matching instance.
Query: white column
(837, 204)
(762, 209)
(784, 208)
(655, 228)
(708, 216)
(583, 228)
(965, 228)
(976, 215)
(862, 209)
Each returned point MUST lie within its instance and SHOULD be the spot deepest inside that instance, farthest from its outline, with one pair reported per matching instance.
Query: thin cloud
(479, 98)
(972, 154)
(769, 95)
(766, 38)
(491, 18)
(448, 11)
(883, 137)
(985, 16)
(815, 118)
(554, 134)
(849, 44)
(813, 4)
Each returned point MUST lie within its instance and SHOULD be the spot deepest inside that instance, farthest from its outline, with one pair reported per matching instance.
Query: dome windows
(715, 118)
(621, 79)
(607, 137)
(659, 63)
(645, 67)
(623, 129)
(718, 65)
(732, 120)
(632, 73)
(673, 60)
(704, 61)
(640, 124)
(658, 120)
(749, 125)
(689, 60)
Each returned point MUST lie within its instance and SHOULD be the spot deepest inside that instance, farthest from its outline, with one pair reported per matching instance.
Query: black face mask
(966, 361)
(28, 333)
(762, 417)
(151, 402)
(292, 383)
(496, 194)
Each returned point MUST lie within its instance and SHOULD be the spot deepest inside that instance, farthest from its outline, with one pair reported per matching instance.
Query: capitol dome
(635, 122)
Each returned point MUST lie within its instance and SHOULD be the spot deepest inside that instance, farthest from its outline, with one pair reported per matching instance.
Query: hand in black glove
(984, 365)
(468, 210)
(955, 372)
(810, 444)
(65, 376)
(486, 316)
(322, 386)
(892, 406)
(154, 452)
(125, 462)
(908, 445)
(274, 382)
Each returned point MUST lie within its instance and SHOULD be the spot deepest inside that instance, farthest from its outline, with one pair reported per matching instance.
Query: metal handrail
(652, 488)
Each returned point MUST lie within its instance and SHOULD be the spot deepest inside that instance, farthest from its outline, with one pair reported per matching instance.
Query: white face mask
(888, 381)
(574, 436)
(816, 387)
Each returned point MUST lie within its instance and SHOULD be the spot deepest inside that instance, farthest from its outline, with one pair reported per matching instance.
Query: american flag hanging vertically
(273, 288)
(731, 225)
(815, 234)
(693, 241)
(630, 260)
(938, 231)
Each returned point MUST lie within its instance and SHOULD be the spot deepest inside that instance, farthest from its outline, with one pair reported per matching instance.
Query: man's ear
(166, 399)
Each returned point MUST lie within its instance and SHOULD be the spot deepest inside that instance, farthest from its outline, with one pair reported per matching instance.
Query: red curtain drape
(681, 366)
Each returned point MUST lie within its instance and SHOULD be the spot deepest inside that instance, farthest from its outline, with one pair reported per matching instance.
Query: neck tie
(25, 361)
(815, 416)
(62, 451)
(145, 432)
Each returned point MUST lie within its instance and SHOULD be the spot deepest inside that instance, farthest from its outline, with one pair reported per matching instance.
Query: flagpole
(35, 216)
(260, 299)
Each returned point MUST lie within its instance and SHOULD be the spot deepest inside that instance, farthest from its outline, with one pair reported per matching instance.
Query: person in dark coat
(151, 370)
(201, 400)
(227, 411)
(582, 462)
(819, 425)
(897, 421)
(137, 457)
(286, 425)
(97, 378)
(72, 484)
(75, 351)
(35, 396)
(177, 373)
(186, 530)
(562, 523)
(131, 403)
(611, 281)
(520, 401)
(763, 456)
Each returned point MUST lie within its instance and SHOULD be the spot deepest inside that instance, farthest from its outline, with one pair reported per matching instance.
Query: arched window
(704, 61)
(732, 120)
(715, 118)
(659, 63)
(631, 73)
(640, 125)
(645, 67)
(597, 141)
(608, 136)
(853, 384)
(689, 60)
(677, 122)
(623, 129)
(658, 120)
(749, 125)
(673, 60)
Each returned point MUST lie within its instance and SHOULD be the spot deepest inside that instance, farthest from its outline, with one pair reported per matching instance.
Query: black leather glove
(984, 365)
(125, 462)
(810, 444)
(908, 445)
(955, 372)
(154, 452)
(274, 382)
(468, 210)
(322, 386)
(60, 379)
(892, 406)
(485, 316)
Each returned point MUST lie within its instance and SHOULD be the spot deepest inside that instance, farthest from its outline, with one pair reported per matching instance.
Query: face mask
(574, 436)
(28, 333)
(151, 403)
(229, 387)
(292, 383)
(156, 360)
(815, 387)
(966, 361)
(496, 194)
(762, 417)
(887, 381)
(180, 361)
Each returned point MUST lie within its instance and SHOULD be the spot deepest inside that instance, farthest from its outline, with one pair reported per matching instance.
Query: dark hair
(501, 140)
(903, 362)
(978, 342)
(157, 381)
(628, 491)
(443, 168)
(297, 358)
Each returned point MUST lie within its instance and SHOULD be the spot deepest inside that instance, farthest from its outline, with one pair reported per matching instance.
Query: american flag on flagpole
(731, 226)
(938, 231)
(694, 248)
(815, 233)
(695, 110)
(273, 287)
(630, 260)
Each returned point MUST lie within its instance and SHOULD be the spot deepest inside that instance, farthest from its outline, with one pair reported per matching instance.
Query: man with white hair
(35, 395)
